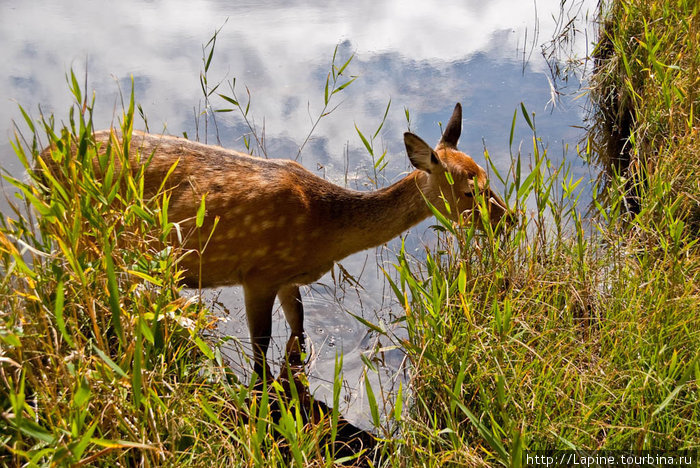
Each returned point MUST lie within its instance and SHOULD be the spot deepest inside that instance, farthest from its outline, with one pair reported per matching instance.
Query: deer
(281, 227)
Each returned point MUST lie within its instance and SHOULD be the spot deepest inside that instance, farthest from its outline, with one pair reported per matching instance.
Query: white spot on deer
(264, 225)
(261, 252)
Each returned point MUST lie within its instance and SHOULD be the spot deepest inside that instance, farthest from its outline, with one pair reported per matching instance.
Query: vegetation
(552, 337)
(555, 336)
(561, 331)
(103, 362)
(645, 88)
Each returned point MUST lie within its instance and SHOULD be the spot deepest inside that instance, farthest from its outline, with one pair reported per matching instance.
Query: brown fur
(280, 226)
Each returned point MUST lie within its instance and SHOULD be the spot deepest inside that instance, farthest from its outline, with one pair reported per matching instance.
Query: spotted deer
(280, 226)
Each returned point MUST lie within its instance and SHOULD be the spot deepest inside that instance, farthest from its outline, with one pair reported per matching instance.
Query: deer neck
(368, 219)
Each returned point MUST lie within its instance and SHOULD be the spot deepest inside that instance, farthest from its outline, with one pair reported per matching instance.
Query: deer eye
(468, 194)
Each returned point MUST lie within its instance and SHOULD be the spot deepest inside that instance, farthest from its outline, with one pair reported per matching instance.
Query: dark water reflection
(424, 56)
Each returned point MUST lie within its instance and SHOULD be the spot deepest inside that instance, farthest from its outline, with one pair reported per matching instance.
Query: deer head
(454, 179)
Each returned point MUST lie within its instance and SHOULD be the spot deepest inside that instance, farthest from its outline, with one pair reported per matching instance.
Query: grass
(534, 340)
(645, 90)
(560, 332)
(553, 337)
(103, 362)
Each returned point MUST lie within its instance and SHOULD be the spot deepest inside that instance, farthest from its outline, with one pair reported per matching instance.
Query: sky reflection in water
(424, 56)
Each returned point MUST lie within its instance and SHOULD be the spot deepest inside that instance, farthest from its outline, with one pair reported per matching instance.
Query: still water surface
(420, 55)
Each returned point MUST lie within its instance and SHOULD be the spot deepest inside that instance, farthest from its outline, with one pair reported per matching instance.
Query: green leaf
(146, 330)
(204, 347)
(528, 181)
(527, 117)
(136, 369)
(397, 292)
(85, 439)
(112, 365)
(371, 399)
(446, 223)
(201, 211)
(337, 384)
(516, 450)
(378, 164)
(386, 112)
(167, 175)
(82, 394)
(58, 313)
(211, 54)
(28, 120)
(364, 141)
(19, 151)
(210, 413)
(146, 277)
(113, 295)
(75, 88)
(345, 65)
(484, 431)
(368, 324)
(32, 429)
(369, 364)
(679, 387)
(344, 85)
(38, 204)
(398, 405)
(229, 99)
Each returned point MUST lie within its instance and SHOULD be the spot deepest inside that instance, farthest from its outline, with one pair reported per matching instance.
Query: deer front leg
(258, 308)
(290, 298)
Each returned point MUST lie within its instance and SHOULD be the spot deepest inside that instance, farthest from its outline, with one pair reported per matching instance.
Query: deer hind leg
(258, 308)
(290, 298)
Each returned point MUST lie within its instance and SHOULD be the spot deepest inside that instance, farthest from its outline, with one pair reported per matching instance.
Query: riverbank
(565, 330)
(567, 338)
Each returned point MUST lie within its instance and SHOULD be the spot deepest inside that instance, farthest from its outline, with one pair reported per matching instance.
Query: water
(423, 56)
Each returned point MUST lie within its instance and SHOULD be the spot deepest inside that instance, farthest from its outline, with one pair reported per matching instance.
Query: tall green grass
(567, 332)
(561, 331)
(552, 337)
(103, 362)
(645, 93)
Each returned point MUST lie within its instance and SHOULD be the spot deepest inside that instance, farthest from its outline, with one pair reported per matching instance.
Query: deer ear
(453, 129)
(422, 156)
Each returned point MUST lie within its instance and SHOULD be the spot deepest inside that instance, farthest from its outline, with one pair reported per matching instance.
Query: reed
(576, 328)
(103, 362)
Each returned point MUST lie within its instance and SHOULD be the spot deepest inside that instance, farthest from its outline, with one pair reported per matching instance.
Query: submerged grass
(556, 333)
